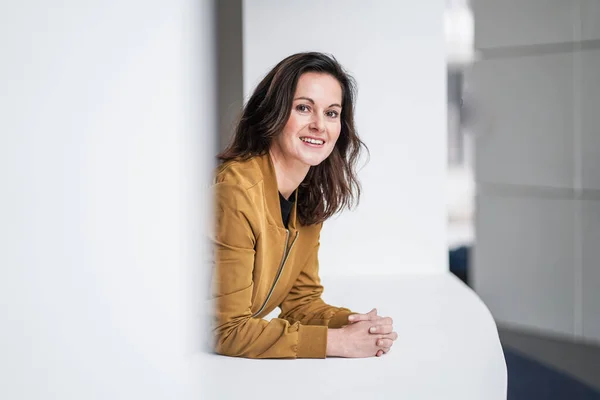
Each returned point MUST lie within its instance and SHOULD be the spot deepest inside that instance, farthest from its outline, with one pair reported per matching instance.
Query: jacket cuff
(340, 318)
(312, 341)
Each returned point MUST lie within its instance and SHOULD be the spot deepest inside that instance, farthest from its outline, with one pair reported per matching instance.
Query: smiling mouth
(308, 140)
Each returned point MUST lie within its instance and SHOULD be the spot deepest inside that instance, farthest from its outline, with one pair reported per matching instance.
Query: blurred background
(524, 203)
(111, 113)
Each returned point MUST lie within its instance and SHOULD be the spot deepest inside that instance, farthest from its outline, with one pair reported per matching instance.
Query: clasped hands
(366, 335)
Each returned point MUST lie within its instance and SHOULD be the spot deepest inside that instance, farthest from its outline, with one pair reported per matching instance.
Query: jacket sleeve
(304, 304)
(236, 332)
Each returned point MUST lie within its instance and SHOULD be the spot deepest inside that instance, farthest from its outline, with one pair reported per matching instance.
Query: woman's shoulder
(244, 173)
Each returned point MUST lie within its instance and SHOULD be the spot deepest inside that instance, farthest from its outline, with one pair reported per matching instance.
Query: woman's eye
(332, 114)
(302, 108)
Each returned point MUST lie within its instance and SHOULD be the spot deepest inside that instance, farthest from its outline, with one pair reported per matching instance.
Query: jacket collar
(273, 205)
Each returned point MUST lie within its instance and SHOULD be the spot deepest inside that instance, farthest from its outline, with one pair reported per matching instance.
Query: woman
(289, 168)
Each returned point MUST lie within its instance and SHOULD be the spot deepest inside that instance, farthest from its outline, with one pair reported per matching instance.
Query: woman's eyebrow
(313, 102)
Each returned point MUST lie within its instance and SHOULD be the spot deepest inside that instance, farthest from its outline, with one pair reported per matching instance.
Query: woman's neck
(290, 174)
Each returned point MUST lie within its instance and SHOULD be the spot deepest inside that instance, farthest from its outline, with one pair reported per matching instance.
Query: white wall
(395, 50)
(100, 168)
(538, 208)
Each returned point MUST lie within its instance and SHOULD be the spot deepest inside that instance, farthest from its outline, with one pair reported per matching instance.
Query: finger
(385, 342)
(380, 352)
(384, 321)
(381, 329)
(393, 336)
(358, 317)
(370, 316)
(386, 350)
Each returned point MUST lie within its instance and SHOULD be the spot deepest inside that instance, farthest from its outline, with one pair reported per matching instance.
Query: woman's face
(314, 125)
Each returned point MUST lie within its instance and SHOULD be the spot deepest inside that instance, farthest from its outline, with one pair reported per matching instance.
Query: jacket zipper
(286, 253)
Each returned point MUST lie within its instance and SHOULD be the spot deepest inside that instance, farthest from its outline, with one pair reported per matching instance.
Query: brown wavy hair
(329, 187)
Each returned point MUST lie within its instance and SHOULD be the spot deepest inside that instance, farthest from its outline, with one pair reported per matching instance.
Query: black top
(286, 209)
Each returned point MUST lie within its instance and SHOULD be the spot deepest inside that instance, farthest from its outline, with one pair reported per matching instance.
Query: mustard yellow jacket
(260, 265)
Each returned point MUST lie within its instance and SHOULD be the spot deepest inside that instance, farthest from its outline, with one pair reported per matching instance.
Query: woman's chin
(312, 161)
(315, 158)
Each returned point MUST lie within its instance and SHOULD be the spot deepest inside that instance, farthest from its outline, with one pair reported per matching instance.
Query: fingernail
(351, 318)
(379, 343)
(373, 329)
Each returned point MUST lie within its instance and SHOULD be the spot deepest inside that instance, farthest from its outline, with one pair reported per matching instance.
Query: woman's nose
(318, 123)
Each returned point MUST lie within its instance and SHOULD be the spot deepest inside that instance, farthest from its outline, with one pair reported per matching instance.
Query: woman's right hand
(355, 341)
(381, 325)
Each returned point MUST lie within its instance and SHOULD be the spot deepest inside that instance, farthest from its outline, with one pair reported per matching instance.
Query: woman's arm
(236, 332)
(304, 304)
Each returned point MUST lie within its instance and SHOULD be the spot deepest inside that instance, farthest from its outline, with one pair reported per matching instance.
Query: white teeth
(313, 141)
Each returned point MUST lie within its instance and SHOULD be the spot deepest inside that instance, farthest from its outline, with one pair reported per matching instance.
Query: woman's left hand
(381, 326)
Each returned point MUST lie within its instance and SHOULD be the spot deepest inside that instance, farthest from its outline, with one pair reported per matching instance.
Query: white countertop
(448, 348)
